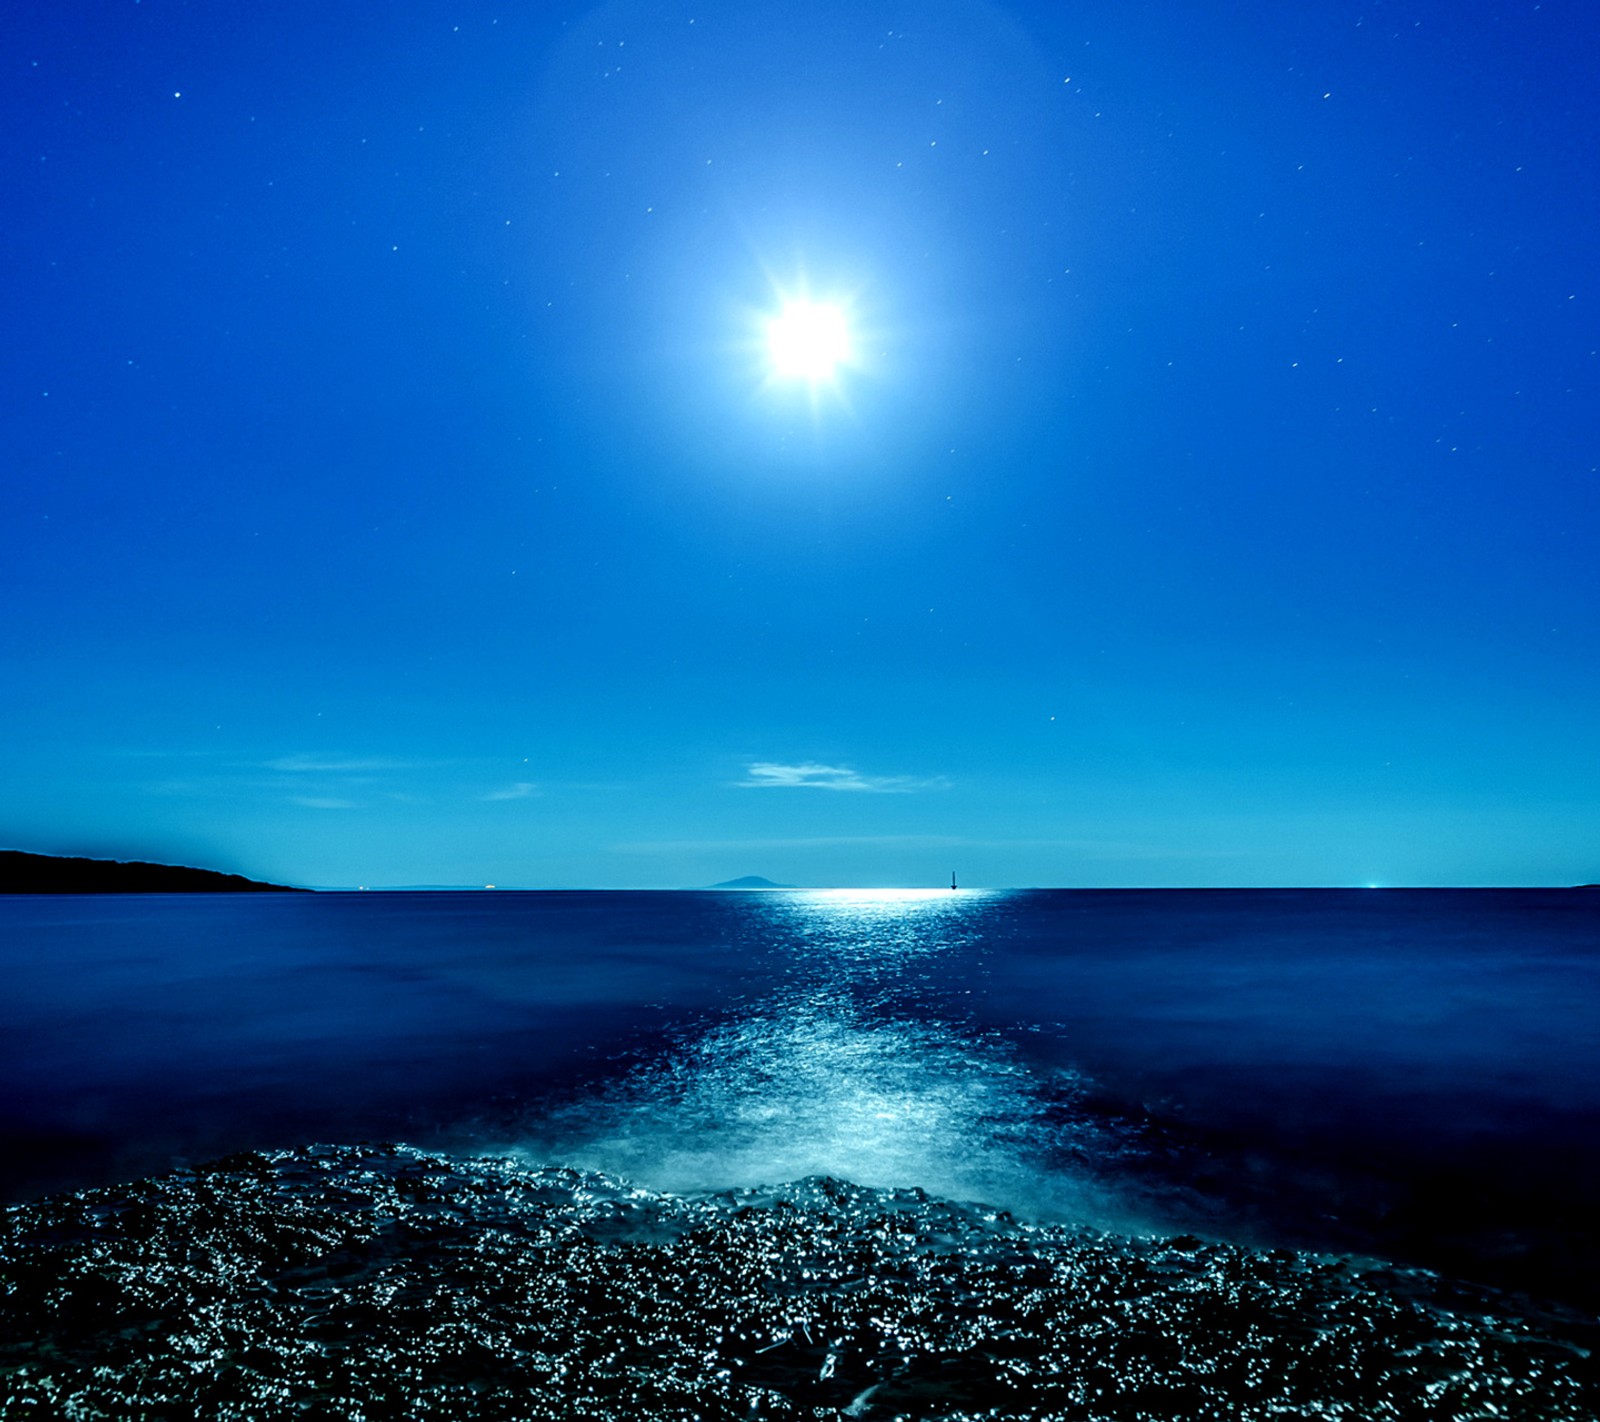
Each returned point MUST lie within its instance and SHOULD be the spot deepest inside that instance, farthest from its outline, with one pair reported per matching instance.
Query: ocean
(894, 1132)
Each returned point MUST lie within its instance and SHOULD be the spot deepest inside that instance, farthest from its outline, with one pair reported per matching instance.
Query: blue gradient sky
(394, 490)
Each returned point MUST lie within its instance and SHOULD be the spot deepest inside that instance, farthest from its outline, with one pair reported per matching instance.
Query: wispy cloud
(323, 802)
(809, 775)
(834, 841)
(522, 790)
(1086, 848)
(331, 765)
(131, 753)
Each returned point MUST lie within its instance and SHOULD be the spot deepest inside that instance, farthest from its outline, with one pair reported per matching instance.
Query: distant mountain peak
(750, 881)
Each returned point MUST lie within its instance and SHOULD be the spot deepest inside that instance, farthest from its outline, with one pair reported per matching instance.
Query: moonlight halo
(808, 340)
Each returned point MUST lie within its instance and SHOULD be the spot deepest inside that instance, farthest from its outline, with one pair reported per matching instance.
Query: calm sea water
(1410, 1073)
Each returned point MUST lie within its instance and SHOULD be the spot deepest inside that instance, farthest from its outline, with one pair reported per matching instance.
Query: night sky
(399, 488)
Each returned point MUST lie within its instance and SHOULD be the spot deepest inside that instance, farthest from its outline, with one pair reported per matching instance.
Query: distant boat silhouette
(952, 879)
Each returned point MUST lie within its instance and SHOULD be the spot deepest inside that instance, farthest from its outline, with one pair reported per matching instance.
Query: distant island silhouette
(750, 881)
(23, 873)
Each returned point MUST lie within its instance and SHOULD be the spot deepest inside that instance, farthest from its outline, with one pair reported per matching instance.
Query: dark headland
(22, 873)
(750, 881)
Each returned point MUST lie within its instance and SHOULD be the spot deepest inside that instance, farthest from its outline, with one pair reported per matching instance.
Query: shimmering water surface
(1406, 1072)
(783, 1155)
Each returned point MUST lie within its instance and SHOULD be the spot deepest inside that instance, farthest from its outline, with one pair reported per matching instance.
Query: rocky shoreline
(23, 873)
(384, 1282)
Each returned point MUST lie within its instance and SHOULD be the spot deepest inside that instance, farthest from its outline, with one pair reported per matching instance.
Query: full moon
(807, 340)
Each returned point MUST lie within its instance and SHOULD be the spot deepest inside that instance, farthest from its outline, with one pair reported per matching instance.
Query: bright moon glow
(807, 340)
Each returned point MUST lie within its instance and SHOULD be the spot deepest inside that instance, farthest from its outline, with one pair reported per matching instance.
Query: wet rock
(381, 1282)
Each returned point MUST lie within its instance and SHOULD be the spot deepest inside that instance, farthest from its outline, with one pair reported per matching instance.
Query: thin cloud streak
(862, 841)
(810, 775)
(332, 765)
(522, 790)
(1089, 848)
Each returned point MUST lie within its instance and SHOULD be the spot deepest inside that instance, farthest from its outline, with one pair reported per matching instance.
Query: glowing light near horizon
(808, 340)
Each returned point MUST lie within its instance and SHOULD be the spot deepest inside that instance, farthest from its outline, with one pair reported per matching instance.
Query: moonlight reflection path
(858, 1064)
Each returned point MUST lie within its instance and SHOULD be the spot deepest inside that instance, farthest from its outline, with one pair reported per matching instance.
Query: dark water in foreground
(1408, 1074)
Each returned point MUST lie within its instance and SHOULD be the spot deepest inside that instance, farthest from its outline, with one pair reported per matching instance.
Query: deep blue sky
(395, 490)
